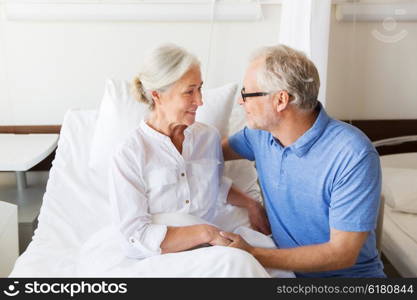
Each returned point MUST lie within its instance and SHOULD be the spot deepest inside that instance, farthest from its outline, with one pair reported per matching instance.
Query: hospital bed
(399, 193)
(75, 204)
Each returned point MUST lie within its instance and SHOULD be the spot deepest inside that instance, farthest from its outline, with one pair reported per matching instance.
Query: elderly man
(320, 177)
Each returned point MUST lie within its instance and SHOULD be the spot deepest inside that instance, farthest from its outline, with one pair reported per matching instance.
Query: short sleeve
(241, 144)
(130, 207)
(356, 195)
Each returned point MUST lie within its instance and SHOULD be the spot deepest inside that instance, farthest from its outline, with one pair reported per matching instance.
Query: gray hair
(288, 69)
(162, 67)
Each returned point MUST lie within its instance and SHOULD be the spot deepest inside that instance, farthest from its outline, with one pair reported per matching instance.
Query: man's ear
(281, 100)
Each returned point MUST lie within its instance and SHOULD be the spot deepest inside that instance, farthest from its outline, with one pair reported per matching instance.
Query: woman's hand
(236, 241)
(213, 236)
(258, 218)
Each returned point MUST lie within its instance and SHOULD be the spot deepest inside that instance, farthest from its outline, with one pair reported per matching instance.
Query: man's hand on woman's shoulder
(258, 218)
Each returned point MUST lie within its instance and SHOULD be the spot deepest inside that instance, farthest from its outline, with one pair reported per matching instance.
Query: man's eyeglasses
(248, 95)
(258, 94)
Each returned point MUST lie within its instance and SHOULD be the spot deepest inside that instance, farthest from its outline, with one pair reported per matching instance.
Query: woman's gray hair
(290, 70)
(162, 67)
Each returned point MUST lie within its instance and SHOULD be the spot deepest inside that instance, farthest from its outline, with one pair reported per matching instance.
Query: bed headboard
(383, 129)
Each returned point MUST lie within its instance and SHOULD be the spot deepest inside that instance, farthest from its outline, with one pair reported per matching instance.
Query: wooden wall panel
(383, 129)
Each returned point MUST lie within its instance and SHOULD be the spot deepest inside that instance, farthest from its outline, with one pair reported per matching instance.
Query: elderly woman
(171, 163)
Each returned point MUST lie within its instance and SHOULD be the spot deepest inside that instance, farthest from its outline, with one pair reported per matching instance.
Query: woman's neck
(161, 124)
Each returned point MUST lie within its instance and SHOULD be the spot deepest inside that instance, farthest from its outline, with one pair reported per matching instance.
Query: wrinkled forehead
(250, 79)
(191, 78)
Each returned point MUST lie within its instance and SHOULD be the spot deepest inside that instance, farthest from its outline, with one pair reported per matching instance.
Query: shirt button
(132, 240)
(187, 201)
(182, 174)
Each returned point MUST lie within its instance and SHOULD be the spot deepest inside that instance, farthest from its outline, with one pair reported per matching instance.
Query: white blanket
(75, 218)
(102, 256)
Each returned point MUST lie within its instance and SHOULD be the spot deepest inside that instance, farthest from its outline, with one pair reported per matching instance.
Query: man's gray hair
(290, 70)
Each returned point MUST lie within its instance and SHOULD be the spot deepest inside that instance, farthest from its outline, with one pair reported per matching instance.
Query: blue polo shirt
(330, 177)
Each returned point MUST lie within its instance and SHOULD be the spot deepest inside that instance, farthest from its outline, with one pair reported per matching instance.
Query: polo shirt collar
(303, 144)
(306, 141)
(162, 137)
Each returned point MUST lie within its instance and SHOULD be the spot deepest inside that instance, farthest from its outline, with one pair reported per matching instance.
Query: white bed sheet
(399, 241)
(69, 213)
(399, 237)
(75, 208)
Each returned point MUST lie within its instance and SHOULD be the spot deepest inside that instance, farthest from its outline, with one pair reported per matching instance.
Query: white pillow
(242, 171)
(237, 119)
(399, 187)
(119, 114)
(217, 106)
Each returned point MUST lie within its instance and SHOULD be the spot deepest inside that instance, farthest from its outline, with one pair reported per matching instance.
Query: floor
(389, 269)
(28, 201)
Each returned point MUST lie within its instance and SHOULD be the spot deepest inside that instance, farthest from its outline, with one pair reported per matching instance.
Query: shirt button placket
(284, 155)
(186, 189)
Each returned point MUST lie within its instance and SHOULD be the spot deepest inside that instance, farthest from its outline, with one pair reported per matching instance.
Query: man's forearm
(228, 153)
(238, 198)
(314, 258)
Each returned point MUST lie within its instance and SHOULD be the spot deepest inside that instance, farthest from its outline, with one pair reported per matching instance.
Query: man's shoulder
(346, 137)
(254, 135)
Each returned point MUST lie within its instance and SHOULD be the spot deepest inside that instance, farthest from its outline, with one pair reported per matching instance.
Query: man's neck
(293, 125)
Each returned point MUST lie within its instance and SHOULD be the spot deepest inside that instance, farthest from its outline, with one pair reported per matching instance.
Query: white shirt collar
(162, 137)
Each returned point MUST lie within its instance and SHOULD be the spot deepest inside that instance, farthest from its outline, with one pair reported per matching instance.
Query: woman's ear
(156, 97)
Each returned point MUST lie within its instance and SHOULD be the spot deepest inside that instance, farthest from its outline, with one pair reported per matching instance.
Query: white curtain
(305, 25)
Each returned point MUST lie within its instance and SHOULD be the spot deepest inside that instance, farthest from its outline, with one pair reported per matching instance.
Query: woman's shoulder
(133, 140)
(206, 130)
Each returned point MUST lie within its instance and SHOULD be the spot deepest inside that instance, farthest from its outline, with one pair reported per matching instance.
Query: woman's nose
(198, 100)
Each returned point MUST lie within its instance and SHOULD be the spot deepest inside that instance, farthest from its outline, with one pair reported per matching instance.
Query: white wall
(5, 107)
(54, 66)
(369, 78)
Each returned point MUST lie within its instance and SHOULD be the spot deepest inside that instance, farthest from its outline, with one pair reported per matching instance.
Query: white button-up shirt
(149, 176)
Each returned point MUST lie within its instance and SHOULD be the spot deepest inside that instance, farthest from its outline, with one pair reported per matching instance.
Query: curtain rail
(263, 2)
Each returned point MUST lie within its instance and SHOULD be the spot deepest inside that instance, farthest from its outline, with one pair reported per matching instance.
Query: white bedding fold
(72, 238)
(103, 256)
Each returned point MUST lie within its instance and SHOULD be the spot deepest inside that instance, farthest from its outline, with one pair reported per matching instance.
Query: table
(18, 154)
